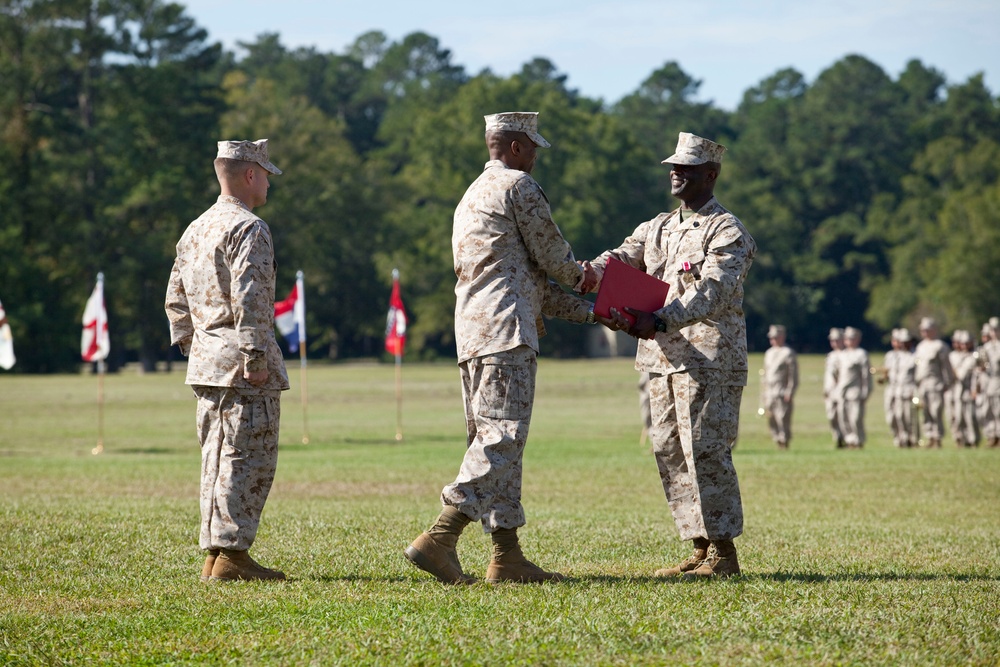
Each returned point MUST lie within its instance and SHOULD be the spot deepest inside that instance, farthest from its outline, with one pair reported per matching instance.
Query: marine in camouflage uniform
(780, 380)
(506, 246)
(989, 361)
(934, 377)
(964, 424)
(901, 386)
(836, 338)
(220, 303)
(695, 350)
(854, 386)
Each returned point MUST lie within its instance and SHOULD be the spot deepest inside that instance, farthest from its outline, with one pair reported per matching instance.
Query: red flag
(95, 343)
(395, 322)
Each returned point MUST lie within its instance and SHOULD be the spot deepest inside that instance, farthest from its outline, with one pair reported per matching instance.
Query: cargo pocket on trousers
(505, 392)
(260, 420)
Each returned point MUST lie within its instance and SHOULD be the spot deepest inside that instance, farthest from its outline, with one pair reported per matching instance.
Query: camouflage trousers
(694, 425)
(901, 415)
(779, 420)
(499, 391)
(989, 415)
(852, 421)
(239, 454)
(932, 412)
(833, 418)
(964, 424)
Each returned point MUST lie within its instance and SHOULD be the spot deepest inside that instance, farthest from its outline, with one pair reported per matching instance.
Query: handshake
(645, 322)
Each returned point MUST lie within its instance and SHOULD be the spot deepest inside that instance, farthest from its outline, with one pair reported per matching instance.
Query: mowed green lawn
(877, 556)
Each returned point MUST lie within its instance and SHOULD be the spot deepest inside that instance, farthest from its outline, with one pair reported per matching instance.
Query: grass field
(877, 556)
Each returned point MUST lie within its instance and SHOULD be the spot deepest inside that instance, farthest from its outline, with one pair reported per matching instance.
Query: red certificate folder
(624, 285)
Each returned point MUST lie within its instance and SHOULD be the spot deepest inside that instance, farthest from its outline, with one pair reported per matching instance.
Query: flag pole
(395, 339)
(100, 409)
(94, 346)
(399, 398)
(300, 322)
(305, 397)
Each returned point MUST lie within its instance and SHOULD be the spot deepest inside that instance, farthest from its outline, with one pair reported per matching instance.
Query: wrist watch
(590, 316)
(659, 325)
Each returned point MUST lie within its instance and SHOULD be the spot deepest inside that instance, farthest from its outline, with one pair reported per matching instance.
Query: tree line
(874, 201)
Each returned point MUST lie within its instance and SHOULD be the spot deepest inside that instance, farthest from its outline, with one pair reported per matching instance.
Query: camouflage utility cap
(851, 333)
(693, 150)
(517, 121)
(836, 334)
(248, 151)
(928, 323)
(775, 330)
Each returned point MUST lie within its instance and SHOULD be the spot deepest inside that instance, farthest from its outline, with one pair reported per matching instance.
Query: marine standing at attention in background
(964, 424)
(220, 303)
(989, 364)
(934, 377)
(781, 379)
(830, 400)
(901, 387)
(854, 385)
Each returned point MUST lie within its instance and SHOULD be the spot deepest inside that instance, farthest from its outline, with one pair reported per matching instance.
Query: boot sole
(423, 563)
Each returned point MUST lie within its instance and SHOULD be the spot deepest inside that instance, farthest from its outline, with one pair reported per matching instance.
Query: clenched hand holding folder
(623, 285)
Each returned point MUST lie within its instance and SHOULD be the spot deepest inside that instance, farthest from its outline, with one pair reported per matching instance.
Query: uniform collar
(699, 215)
(229, 199)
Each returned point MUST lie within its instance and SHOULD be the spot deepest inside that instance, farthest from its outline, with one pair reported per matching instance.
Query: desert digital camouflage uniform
(781, 379)
(830, 387)
(505, 246)
(698, 367)
(964, 424)
(989, 359)
(854, 385)
(220, 303)
(901, 386)
(934, 376)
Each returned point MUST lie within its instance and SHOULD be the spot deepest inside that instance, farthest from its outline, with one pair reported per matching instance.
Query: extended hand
(589, 280)
(617, 321)
(645, 323)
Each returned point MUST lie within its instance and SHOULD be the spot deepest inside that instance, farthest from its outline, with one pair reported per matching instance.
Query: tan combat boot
(206, 569)
(509, 563)
(722, 563)
(239, 566)
(434, 551)
(697, 557)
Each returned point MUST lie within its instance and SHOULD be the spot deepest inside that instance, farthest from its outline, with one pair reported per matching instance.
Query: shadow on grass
(393, 441)
(350, 578)
(801, 577)
(808, 577)
(141, 450)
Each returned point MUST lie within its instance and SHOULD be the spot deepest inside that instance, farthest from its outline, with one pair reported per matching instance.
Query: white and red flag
(395, 321)
(6, 342)
(96, 343)
(290, 315)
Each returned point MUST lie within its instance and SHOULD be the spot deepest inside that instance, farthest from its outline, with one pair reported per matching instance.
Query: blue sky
(609, 47)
